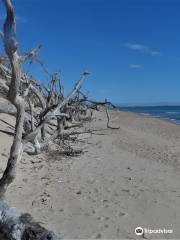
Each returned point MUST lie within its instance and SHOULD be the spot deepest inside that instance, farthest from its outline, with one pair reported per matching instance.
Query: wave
(146, 114)
(172, 112)
(156, 116)
(168, 114)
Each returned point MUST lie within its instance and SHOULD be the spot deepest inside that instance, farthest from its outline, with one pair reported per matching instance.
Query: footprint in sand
(4, 155)
(98, 236)
(44, 199)
(25, 180)
(79, 192)
(125, 190)
(129, 168)
(122, 214)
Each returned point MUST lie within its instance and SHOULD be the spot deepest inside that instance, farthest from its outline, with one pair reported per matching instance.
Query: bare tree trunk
(60, 126)
(57, 110)
(13, 96)
(108, 122)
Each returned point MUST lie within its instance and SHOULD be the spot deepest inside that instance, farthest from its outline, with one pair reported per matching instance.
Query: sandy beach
(126, 178)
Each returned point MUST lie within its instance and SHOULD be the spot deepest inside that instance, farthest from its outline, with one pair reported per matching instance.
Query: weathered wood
(108, 122)
(57, 110)
(14, 97)
(15, 225)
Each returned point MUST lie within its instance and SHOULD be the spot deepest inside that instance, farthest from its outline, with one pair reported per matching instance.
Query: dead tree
(54, 111)
(13, 96)
(108, 118)
(34, 110)
(14, 225)
(31, 114)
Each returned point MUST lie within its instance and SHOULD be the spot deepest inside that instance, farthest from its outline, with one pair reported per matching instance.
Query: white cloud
(135, 66)
(142, 48)
(134, 46)
(155, 53)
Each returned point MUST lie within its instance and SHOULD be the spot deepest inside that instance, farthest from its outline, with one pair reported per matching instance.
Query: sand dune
(126, 178)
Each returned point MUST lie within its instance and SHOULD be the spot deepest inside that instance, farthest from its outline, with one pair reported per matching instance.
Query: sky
(131, 47)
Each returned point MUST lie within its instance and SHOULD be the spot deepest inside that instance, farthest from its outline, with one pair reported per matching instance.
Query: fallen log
(15, 225)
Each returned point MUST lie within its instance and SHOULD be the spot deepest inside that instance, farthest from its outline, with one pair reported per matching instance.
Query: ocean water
(170, 113)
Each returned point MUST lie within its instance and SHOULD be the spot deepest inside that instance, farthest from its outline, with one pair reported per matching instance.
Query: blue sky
(131, 47)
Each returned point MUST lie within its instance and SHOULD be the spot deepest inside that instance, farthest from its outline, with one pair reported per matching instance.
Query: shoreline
(150, 116)
(172, 120)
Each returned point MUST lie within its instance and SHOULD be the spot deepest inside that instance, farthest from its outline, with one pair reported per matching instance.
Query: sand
(126, 178)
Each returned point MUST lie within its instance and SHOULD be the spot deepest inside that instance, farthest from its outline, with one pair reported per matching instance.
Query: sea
(169, 113)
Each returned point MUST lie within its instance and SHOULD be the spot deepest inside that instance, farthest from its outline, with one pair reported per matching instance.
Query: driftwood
(108, 122)
(43, 116)
(33, 109)
(10, 45)
(56, 110)
(17, 88)
(21, 226)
